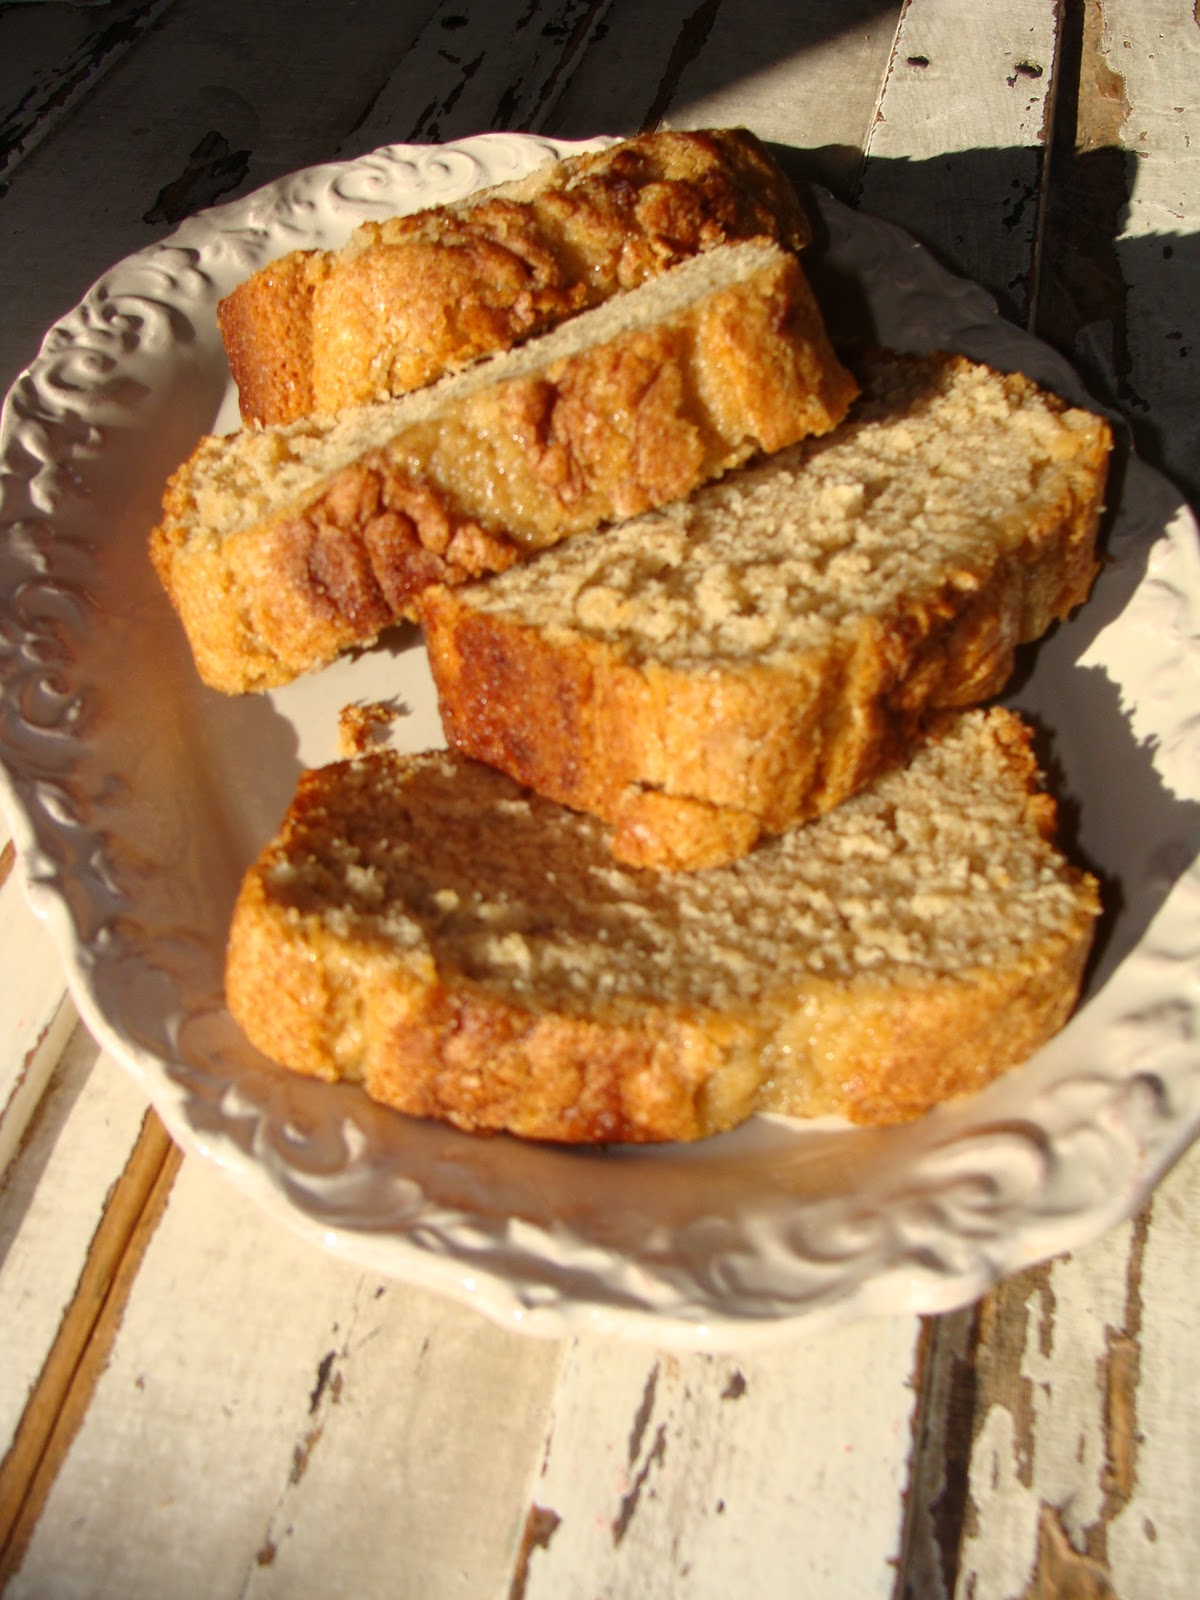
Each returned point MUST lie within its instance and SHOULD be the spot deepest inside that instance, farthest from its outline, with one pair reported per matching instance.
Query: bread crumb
(366, 724)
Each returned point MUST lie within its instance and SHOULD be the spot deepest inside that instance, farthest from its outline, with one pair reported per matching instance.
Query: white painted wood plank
(51, 1201)
(1152, 49)
(683, 1477)
(616, 82)
(807, 76)
(273, 1422)
(967, 77)
(1085, 1467)
(1152, 1538)
(476, 66)
(36, 1017)
(1042, 1445)
(955, 153)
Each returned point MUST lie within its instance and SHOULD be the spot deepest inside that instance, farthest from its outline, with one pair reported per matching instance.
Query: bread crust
(692, 765)
(455, 1052)
(609, 432)
(266, 328)
(338, 999)
(411, 298)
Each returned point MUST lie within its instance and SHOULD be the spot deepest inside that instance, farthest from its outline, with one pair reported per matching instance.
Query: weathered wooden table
(193, 1402)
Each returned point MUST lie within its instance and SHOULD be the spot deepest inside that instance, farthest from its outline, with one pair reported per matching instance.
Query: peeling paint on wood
(1081, 286)
(214, 168)
(1044, 1443)
(1050, 1460)
(1014, 1451)
(63, 1392)
(1103, 102)
(431, 1427)
(689, 45)
(616, 74)
(73, 51)
(1121, 292)
(642, 1417)
(1061, 1572)
(323, 1373)
(700, 1466)
(1158, 63)
(540, 1527)
(507, 77)
(1121, 1376)
(653, 1459)
(955, 153)
(936, 1502)
(301, 1453)
(736, 1386)
(1004, 1333)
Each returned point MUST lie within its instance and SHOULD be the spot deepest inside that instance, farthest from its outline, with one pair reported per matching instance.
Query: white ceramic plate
(137, 797)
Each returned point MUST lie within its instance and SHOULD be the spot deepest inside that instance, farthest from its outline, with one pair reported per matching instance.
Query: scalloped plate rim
(706, 1320)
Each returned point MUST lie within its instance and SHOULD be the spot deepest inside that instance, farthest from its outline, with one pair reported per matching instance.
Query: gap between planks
(59, 1399)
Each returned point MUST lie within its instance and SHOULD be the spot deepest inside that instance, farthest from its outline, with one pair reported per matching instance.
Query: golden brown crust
(275, 599)
(266, 327)
(336, 995)
(692, 764)
(411, 298)
(458, 1053)
(899, 1052)
(609, 432)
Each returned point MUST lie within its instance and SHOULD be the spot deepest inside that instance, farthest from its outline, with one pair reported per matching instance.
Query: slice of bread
(281, 547)
(468, 951)
(745, 660)
(411, 298)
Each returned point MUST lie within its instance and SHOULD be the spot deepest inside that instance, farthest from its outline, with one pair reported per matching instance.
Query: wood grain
(36, 1017)
(51, 57)
(806, 77)
(704, 1470)
(476, 67)
(956, 151)
(63, 1391)
(269, 1420)
(279, 1423)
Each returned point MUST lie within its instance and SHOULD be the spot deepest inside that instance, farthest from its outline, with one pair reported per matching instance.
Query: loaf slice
(734, 664)
(411, 298)
(468, 951)
(281, 547)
